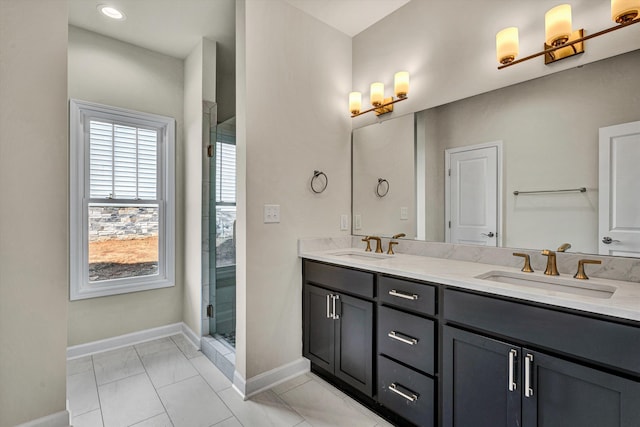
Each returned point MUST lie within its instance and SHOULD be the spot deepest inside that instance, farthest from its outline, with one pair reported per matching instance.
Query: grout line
(93, 368)
(154, 388)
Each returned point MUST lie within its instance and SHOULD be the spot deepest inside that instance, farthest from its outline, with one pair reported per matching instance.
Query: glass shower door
(223, 231)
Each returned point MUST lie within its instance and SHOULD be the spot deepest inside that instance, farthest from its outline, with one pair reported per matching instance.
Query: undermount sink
(356, 254)
(551, 283)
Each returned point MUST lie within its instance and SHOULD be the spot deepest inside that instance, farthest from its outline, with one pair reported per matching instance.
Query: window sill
(109, 288)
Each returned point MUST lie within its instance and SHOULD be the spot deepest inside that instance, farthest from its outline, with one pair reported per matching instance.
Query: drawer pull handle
(528, 364)
(410, 396)
(334, 315)
(402, 338)
(398, 294)
(329, 306)
(512, 356)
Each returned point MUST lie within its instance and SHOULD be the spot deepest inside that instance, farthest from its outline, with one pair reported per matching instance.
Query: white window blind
(122, 161)
(225, 173)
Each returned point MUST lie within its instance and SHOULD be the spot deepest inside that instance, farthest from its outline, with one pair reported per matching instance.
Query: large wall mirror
(539, 136)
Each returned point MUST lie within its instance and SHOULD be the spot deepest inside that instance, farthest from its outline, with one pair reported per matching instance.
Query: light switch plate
(344, 222)
(404, 213)
(271, 214)
(357, 222)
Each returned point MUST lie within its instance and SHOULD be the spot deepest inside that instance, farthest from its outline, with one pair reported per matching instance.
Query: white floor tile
(291, 384)
(210, 373)
(155, 346)
(305, 423)
(116, 365)
(90, 419)
(186, 347)
(192, 403)
(129, 401)
(264, 409)
(82, 393)
(320, 407)
(326, 385)
(167, 367)
(161, 420)
(80, 365)
(229, 422)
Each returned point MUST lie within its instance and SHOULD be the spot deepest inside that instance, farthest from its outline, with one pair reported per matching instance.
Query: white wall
(199, 85)
(111, 72)
(291, 120)
(33, 212)
(385, 150)
(459, 60)
(549, 127)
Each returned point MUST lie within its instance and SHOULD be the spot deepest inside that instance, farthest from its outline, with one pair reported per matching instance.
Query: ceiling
(174, 27)
(349, 16)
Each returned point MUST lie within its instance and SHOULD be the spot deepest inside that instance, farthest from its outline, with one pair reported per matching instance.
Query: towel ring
(381, 188)
(316, 177)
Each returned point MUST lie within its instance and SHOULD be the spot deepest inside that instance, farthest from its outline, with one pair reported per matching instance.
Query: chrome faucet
(552, 269)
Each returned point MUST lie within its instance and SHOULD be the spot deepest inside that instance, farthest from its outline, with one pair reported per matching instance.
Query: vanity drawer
(344, 279)
(413, 296)
(406, 392)
(407, 338)
(613, 344)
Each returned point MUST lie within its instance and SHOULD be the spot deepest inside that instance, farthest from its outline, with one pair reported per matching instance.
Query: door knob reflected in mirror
(489, 234)
(608, 240)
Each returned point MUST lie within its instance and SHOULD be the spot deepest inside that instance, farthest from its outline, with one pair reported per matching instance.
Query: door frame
(447, 186)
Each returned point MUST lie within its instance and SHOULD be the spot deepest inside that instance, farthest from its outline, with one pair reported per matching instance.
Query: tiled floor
(168, 382)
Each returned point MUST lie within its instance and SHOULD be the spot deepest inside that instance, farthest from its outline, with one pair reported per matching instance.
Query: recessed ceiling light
(111, 12)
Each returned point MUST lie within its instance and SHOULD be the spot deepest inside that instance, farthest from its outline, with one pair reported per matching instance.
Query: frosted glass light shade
(507, 45)
(401, 84)
(557, 25)
(377, 94)
(355, 102)
(624, 10)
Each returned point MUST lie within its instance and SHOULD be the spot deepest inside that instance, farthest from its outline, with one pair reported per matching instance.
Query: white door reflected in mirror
(619, 204)
(472, 184)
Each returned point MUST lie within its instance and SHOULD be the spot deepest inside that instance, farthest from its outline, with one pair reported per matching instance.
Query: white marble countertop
(624, 303)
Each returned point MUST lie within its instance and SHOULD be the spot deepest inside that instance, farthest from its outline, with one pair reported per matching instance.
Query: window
(225, 198)
(122, 209)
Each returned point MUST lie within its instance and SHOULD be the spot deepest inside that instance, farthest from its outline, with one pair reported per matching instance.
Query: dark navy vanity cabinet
(428, 354)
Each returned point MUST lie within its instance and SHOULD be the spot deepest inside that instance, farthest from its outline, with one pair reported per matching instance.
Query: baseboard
(191, 336)
(269, 379)
(59, 419)
(120, 341)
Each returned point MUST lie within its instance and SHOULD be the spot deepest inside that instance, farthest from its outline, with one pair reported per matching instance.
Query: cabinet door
(354, 343)
(566, 394)
(476, 381)
(318, 327)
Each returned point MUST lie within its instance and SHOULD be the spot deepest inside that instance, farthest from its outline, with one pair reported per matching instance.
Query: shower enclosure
(219, 224)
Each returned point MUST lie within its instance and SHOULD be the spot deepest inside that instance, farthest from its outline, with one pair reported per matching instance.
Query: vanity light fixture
(561, 41)
(111, 12)
(381, 105)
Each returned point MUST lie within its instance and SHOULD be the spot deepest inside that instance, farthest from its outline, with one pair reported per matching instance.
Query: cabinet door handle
(399, 294)
(409, 395)
(512, 359)
(329, 316)
(335, 316)
(528, 364)
(402, 338)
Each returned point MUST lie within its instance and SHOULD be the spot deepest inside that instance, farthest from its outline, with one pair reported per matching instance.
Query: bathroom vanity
(425, 341)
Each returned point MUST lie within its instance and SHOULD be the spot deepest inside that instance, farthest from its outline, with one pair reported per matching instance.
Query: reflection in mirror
(549, 128)
(384, 179)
